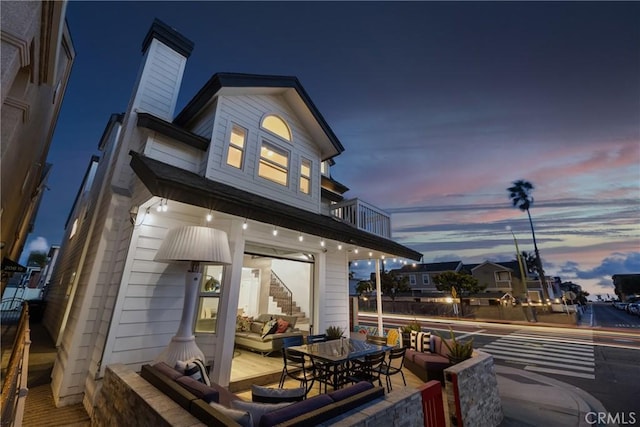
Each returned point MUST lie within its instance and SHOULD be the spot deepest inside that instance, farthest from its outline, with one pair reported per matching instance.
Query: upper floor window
(305, 176)
(276, 125)
(425, 279)
(503, 276)
(237, 139)
(412, 279)
(274, 164)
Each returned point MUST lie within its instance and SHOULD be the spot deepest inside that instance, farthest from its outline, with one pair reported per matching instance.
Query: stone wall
(400, 408)
(126, 399)
(472, 392)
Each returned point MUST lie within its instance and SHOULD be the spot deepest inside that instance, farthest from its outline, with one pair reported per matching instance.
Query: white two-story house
(250, 155)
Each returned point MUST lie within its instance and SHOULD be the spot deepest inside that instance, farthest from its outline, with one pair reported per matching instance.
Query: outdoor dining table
(336, 354)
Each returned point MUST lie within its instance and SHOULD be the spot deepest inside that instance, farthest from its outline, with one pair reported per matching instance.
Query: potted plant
(406, 331)
(458, 350)
(334, 332)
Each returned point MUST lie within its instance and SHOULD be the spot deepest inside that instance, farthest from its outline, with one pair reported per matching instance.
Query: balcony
(363, 216)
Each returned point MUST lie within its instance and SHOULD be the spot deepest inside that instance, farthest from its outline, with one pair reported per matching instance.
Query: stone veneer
(477, 388)
(126, 399)
(400, 408)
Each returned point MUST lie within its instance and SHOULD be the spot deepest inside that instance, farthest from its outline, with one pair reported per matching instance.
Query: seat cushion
(343, 393)
(257, 410)
(276, 395)
(295, 410)
(243, 418)
(198, 389)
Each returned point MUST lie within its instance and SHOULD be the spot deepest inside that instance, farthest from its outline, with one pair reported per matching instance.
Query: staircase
(283, 297)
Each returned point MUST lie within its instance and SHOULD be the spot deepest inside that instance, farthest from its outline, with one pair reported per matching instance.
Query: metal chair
(368, 369)
(299, 367)
(316, 338)
(393, 365)
(292, 341)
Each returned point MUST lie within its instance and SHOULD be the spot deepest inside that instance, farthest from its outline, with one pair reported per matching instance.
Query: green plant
(334, 332)
(458, 350)
(412, 326)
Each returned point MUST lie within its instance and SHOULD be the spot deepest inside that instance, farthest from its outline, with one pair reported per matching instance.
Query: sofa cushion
(243, 418)
(276, 395)
(256, 327)
(282, 326)
(343, 393)
(198, 389)
(300, 408)
(257, 409)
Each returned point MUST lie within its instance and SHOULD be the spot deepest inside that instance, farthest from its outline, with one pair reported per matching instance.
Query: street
(601, 360)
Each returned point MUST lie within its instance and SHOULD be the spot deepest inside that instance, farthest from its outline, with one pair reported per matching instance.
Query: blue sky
(440, 106)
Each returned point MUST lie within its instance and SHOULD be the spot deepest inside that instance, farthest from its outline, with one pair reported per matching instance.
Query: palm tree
(520, 195)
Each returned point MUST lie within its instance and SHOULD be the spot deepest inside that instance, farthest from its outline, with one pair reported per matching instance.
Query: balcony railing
(363, 216)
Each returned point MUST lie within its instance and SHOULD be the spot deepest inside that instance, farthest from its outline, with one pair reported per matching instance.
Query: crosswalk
(546, 353)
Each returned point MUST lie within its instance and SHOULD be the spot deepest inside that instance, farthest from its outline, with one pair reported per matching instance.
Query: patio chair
(316, 338)
(367, 369)
(393, 365)
(299, 367)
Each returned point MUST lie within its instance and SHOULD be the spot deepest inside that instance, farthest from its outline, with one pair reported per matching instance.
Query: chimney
(165, 56)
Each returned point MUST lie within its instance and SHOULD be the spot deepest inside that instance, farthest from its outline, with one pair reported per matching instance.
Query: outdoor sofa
(428, 363)
(227, 409)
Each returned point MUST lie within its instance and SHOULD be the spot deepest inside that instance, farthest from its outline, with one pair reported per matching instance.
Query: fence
(14, 388)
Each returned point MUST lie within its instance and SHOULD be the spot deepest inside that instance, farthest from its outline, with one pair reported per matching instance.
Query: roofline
(94, 159)
(220, 80)
(167, 181)
(151, 122)
(169, 36)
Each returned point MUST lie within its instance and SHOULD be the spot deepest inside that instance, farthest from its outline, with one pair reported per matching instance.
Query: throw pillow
(195, 369)
(257, 410)
(276, 395)
(241, 417)
(282, 326)
(420, 341)
(269, 328)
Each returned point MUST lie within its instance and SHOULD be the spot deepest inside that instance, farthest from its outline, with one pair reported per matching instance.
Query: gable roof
(178, 184)
(219, 81)
(433, 267)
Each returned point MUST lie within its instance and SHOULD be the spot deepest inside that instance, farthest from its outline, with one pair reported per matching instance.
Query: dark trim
(169, 36)
(220, 80)
(330, 195)
(173, 183)
(334, 185)
(94, 159)
(151, 122)
(113, 119)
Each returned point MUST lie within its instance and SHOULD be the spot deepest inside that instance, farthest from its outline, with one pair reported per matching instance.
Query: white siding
(247, 111)
(335, 297)
(160, 81)
(173, 153)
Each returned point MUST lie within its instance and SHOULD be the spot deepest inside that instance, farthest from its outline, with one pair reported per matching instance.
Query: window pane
(273, 155)
(207, 314)
(272, 172)
(234, 157)
(237, 137)
(304, 185)
(278, 126)
(305, 168)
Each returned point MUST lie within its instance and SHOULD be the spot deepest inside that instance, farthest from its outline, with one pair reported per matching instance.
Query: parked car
(634, 308)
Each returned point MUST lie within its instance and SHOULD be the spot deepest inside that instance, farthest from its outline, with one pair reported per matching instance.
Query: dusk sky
(440, 107)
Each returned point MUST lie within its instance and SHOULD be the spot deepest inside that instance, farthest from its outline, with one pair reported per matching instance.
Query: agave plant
(458, 350)
(334, 332)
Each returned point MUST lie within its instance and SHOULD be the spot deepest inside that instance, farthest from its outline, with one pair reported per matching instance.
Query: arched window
(276, 125)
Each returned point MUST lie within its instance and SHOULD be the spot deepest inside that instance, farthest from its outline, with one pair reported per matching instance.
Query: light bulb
(275, 231)
(300, 238)
(209, 217)
(339, 247)
(322, 243)
(245, 225)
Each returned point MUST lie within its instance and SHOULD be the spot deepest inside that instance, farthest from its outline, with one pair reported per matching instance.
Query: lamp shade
(195, 244)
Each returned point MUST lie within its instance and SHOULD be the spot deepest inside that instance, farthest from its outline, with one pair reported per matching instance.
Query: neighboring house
(252, 154)
(420, 276)
(37, 55)
(626, 285)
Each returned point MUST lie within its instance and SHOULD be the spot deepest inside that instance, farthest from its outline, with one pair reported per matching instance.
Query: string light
(322, 243)
(339, 247)
(300, 237)
(370, 253)
(245, 225)
(275, 231)
(209, 216)
(165, 207)
(355, 250)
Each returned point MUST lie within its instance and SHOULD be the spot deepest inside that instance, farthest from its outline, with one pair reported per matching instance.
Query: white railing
(363, 216)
